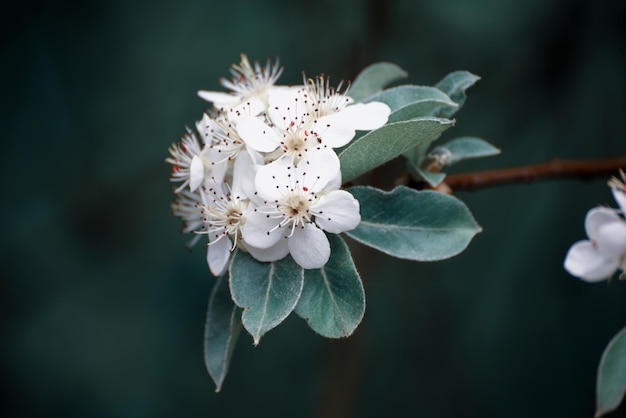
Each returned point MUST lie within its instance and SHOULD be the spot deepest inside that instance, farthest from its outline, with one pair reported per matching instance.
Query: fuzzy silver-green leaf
(374, 78)
(454, 85)
(464, 148)
(611, 384)
(381, 145)
(433, 179)
(221, 331)
(399, 97)
(333, 299)
(267, 292)
(415, 225)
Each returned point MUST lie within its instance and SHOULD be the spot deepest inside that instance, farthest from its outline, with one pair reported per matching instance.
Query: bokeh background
(102, 309)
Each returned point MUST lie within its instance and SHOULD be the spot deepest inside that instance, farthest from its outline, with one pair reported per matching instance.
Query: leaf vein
(332, 298)
(411, 228)
(266, 298)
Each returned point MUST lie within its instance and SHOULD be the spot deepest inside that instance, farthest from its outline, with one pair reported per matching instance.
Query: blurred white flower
(187, 208)
(181, 158)
(604, 252)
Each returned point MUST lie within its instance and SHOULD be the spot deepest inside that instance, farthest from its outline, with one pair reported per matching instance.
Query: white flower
(221, 135)
(325, 100)
(187, 208)
(249, 86)
(304, 122)
(299, 203)
(224, 213)
(182, 157)
(295, 136)
(223, 216)
(193, 163)
(605, 252)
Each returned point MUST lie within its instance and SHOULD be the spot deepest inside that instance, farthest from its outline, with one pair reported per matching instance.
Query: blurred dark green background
(102, 309)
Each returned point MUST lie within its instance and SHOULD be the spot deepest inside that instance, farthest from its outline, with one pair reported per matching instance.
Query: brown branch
(552, 169)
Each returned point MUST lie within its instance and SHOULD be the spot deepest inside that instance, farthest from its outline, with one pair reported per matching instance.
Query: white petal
(334, 131)
(319, 169)
(309, 247)
(611, 239)
(620, 198)
(244, 171)
(274, 179)
(364, 116)
(252, 106)
(218, 98)
(218, 171)
(204, 127)
(196, 173)
(283, 97)
(256, 230)
(283, 103)
(598, 217)
(313, 173)
(335, 182)
(257, 134)
(256, 156)
(274, 253)
(337, 212)
(218, 255)
(210, 190)
(585, 262)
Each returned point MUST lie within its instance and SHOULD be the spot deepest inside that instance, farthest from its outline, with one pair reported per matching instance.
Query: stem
(551, 169)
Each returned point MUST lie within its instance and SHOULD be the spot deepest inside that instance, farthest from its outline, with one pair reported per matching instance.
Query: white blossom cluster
(261, 173)
(600, 256)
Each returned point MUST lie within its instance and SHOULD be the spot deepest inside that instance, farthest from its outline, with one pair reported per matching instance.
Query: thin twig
(552, 169)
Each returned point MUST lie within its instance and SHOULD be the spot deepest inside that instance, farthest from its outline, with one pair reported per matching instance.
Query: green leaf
(221, 331)
(433, 179)
(417, 154)
(381, 145)
(421, 108)
(374, 78)
(454, 85)
(267, 292)
(611, 383)
(405, 223)
(333, 299)
(399, 97)
(463, 148)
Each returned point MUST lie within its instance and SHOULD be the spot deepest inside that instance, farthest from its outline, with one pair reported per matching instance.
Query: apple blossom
(192, 163)
(300, 202)
(308, 122)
